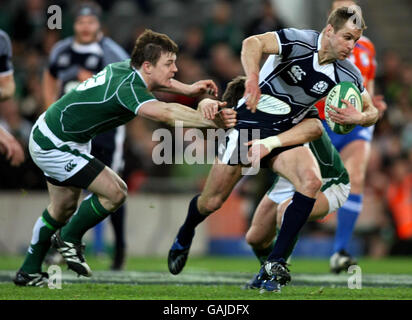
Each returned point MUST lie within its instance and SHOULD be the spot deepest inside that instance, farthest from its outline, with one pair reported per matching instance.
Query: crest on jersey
(296, 73)
(320, 87)
(63, 60)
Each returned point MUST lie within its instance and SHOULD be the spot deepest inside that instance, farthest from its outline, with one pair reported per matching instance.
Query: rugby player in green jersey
(60, 146)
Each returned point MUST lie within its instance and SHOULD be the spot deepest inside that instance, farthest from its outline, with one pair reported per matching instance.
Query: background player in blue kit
(74, 60)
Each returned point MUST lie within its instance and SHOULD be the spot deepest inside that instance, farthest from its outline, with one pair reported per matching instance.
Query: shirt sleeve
(6, 65)
(295, 42)
(132, 95)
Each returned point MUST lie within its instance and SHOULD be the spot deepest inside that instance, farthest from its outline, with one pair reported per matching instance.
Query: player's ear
(329, 30)
(147, 67)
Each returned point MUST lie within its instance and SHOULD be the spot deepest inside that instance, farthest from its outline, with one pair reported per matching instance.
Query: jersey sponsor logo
(320, 87)
(269, 104)
(296, 73)
(70, 166)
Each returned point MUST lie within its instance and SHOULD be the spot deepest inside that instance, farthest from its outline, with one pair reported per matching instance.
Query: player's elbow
(249, 43)
(316, 129)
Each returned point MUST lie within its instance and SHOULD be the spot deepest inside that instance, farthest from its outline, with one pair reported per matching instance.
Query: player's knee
(118, 195)
(64, 208)
(251, 238)
(311, 183)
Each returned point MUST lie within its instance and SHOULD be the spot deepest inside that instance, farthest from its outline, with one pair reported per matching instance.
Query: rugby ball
(347, 91)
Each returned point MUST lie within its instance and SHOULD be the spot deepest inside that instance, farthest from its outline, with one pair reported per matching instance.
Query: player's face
(164, 70)
(343, 41)
(86, 29)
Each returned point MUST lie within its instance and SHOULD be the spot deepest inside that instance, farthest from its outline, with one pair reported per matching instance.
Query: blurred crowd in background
(209, 48)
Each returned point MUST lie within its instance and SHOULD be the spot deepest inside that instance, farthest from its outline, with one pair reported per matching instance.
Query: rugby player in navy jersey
(302, 68)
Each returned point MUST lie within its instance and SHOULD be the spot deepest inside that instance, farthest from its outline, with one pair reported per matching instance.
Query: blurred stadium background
(209, 34)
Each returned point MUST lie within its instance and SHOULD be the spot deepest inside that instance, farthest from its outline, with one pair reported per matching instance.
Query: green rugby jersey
(105, 101)
(331, 166)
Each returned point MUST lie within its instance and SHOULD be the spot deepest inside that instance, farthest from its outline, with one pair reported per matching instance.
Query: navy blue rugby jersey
(68, 56)
(292, 81)
(6, 66)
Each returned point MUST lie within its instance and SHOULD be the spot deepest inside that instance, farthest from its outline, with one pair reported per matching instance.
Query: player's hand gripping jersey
(293, 81)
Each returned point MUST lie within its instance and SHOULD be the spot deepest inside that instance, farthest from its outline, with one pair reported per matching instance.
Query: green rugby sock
(262, 254)
(43, 229)
(89, 214)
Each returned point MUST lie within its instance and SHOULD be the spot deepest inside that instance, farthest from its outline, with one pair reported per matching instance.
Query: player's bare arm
(7, 87)
(252, 50)
(306, 131)
(51, 88)
(349, 115)
(192, 90)
(172, 112)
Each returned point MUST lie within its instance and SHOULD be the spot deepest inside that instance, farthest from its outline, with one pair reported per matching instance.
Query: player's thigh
(355, 157)
(219, 184)
(63, 201)
(263, 226)
(299, 166)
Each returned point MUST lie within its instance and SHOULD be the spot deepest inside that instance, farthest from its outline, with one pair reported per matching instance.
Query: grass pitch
(213, 278)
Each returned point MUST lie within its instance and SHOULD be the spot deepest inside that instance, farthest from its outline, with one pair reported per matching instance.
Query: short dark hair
(149, 47)
(338, 18)
(234, 91)
(88, 8)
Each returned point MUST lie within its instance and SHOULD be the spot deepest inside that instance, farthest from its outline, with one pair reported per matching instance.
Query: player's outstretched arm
(192, 90)
(252, 49)
(305, 131)
(171, 112)
(51, 89)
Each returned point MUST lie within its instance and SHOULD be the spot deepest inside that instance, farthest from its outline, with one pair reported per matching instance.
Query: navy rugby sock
(296, 214)
(187, 230)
